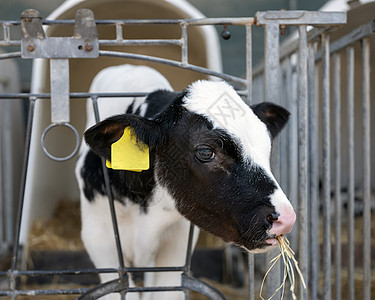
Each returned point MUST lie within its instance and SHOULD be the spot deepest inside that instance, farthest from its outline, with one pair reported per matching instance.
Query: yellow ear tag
(128, 154)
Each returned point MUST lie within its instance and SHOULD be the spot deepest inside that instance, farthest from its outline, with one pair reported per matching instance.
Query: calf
(209, 163)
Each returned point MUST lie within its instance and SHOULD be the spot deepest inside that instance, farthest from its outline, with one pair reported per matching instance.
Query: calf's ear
(101, 136)
(274, 116)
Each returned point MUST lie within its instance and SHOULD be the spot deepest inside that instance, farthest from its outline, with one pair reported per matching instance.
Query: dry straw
(287, 255)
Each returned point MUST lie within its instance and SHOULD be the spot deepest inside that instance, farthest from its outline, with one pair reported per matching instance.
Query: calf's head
(212, 153)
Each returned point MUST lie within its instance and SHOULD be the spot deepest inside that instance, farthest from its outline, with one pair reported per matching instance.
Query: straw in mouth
(287, 255)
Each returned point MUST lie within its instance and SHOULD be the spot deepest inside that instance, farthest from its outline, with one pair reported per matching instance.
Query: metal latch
(35, 44)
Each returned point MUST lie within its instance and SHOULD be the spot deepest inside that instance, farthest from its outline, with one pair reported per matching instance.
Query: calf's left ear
(101, 136)
(274, 116)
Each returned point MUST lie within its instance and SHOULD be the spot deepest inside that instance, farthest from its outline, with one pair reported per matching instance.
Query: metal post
(337, 166)
(184, 44)
(302, 157)
(326, 168)
(350, 124)
(60, 106)
(249, 64)
(314, 173)
(366, 169)
(271, 66)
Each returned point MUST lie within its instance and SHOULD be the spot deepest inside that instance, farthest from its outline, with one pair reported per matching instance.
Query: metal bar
(116, 233)
(16, 239)
(10, 55)
(184, 44)
(6, 34)
(7, 165)
(271, 71)
(251, 267)
(337, 166)
(3, 216)
(36, 292)
(119, 33)
(60, 104)
(249, 63)
(314, 173)
(201, 287)
(351, 174)
(354, 36)
(199, 21)
(366, 115)
(272, 94)
(326, 167)
(173, 63)
(135, 42)
(302, 157)
(189, 254)
(249, 101)
(189, 249)
(301, 17)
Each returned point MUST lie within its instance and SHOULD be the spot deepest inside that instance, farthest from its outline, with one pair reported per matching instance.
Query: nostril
(272, 218)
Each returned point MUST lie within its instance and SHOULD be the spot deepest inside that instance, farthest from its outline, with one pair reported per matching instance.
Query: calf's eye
(204, 154)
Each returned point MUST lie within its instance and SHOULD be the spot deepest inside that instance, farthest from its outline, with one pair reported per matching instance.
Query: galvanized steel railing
(320, 162)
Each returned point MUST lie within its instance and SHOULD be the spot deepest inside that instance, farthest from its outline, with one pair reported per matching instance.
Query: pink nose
(283, 224)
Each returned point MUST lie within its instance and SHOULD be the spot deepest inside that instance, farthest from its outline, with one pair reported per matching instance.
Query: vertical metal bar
(326, 167)
(249, 63)
(314, 174)
(302, 157)
(271, 63)
(271, 84)
(350, 124)
(184, 46)
(337, 166)
(16, 240)
(59, 74)
(366, 169)
(251, 276)
(8, 168)
(122, 271)
(6, 33)
(119, 33)
(293, 145)
(288, 102)
(2, 200)
(189, 254)
(249, 77)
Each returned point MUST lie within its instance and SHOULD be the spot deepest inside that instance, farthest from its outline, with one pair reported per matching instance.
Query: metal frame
(315, 167)
(277, 84)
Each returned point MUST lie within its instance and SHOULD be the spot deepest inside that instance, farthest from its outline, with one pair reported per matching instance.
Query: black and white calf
(209, 163)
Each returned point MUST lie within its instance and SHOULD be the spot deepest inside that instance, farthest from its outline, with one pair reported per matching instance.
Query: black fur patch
(136, 186)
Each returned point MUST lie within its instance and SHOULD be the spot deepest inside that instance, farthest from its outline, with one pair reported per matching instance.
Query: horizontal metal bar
(35, 273)
(71, 95)
(151, 42)
(80, 95)
(174, 64)
(5, 43)
(301, 17)
(155, 289)
(195, 22)
(10, 55)
(42, 292)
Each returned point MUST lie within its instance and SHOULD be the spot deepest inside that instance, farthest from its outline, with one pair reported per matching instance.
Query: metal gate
(301, 157)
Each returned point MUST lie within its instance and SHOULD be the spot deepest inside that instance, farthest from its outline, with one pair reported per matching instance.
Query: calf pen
(323, 165)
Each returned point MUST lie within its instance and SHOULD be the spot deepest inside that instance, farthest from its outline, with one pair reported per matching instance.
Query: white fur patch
(220, 103)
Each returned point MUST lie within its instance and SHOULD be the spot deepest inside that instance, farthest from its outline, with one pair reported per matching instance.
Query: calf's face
(212, 154)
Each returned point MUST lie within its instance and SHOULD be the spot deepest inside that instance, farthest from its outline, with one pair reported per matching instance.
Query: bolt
(88, 47)
(282, 29)
(30, 48)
